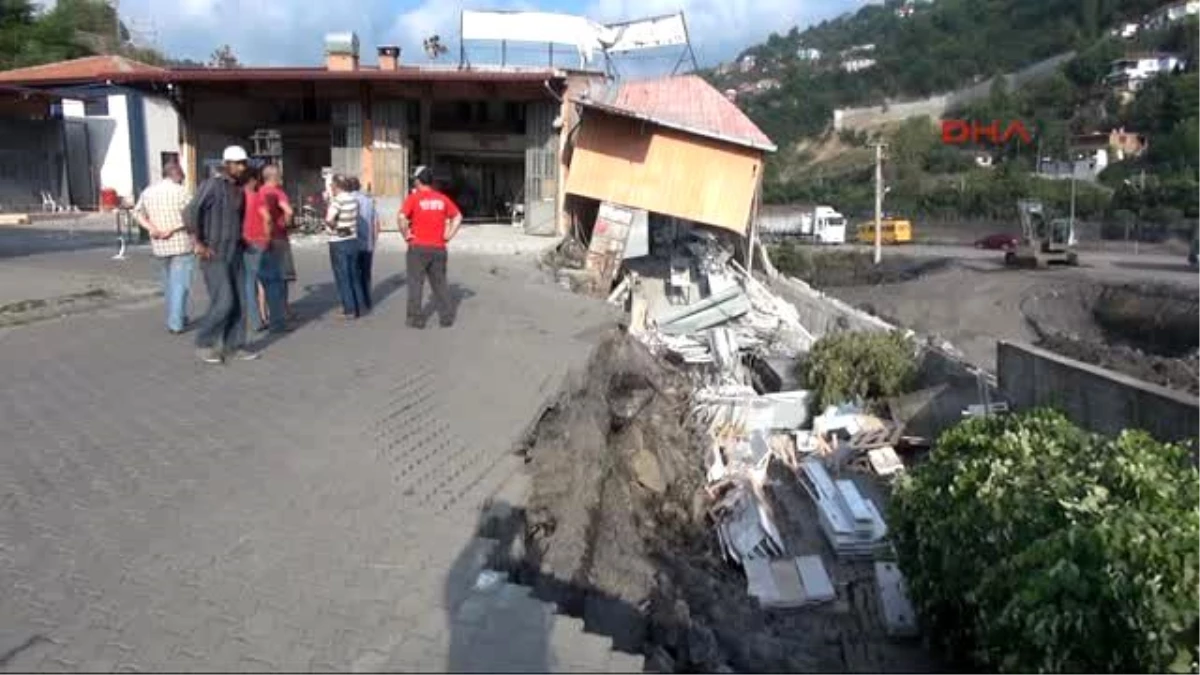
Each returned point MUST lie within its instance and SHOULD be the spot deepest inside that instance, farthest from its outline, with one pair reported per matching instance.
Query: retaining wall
(1096, 399)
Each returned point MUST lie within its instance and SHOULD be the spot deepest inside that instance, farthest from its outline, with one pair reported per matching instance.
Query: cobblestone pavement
(305, 511)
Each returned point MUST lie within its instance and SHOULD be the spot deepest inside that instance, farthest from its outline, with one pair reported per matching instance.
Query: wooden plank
(664, 171)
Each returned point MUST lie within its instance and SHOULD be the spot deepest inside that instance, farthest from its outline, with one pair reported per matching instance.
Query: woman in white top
(341, 229)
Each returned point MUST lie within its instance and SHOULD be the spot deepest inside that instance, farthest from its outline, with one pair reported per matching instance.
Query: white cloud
(282, 32)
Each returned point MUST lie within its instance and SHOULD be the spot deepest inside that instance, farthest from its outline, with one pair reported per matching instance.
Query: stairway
(498, 626)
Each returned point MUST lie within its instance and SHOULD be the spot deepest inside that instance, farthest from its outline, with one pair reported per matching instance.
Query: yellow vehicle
(893, 231)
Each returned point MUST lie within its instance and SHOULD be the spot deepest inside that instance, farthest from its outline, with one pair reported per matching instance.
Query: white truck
(819, 224)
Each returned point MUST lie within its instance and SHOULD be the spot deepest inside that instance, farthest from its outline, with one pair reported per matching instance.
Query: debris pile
(661, 474)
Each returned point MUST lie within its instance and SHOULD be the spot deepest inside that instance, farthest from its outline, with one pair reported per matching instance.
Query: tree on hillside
(70, 29)
(223, 57)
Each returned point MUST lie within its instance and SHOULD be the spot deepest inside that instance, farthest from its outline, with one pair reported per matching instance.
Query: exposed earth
(1136, 314)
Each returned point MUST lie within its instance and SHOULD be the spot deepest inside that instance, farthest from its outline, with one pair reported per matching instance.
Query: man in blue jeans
(368, 234)
(160, 212)
(341, 230)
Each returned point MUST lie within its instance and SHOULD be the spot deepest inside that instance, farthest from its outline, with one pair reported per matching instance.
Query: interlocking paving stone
(297, 512)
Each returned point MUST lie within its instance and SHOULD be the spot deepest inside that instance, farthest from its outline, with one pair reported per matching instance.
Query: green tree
(1032, 546)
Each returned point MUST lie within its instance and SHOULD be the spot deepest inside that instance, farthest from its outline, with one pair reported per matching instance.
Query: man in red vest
(428, 219)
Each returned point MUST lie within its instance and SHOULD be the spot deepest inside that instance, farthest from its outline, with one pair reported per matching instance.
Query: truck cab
(826, 226)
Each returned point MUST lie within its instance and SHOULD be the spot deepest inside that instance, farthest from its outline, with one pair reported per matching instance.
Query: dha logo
(961, 132)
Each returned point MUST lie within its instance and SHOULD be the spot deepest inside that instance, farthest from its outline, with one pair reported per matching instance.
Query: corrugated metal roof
(122, 70)
(688, 103)
(86, 68)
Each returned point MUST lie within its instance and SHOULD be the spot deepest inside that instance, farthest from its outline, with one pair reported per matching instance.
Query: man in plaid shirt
(160, 212)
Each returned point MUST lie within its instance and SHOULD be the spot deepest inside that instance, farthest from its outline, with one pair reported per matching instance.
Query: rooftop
(118, 69)
(686, 103)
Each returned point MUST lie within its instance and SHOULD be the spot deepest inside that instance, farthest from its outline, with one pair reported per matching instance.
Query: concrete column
(368, 138)
(425, 133)
(187, 143)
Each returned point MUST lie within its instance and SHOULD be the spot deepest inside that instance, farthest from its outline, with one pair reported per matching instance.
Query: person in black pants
(428, 220)
(214, 218)
(368, 234)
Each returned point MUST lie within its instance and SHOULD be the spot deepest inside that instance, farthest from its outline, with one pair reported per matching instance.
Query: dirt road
(1134, 313)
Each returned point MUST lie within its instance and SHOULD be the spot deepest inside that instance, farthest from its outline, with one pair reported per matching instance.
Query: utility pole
(879, 201)
(116, 5)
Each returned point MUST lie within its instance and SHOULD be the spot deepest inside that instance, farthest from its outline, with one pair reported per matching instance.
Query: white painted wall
(108, 136)
(162, 133)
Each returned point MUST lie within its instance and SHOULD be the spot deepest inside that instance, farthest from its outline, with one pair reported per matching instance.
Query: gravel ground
(1135, 314)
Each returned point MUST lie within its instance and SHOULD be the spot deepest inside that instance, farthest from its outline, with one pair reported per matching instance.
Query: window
(95, 107)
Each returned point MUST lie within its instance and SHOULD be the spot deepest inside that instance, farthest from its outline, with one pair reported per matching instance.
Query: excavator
(1043, 241)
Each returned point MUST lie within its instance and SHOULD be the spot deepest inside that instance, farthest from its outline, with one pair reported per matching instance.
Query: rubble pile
(667, 486)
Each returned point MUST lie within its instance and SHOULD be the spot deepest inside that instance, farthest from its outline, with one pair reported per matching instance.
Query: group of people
(236, 227)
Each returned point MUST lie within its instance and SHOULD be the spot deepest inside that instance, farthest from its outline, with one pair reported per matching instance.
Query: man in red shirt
(256, 237)
(428, 219)
(276, 212)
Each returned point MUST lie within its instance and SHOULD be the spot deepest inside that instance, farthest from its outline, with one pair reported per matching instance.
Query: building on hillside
(1126, 30)
(747, 63)
(674, 147)
(494, 134)
(118, 137)
(855, 65)
(808, 54)
(1171, 13)
(1101, 149)
(1127, 75)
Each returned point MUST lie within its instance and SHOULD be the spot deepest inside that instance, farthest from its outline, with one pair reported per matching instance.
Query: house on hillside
(1127, 75)
(855, 65)
(747, 63)
(808, 54)
(1126, 30)
(1101, 149)
(115, 137)
(1171, 13)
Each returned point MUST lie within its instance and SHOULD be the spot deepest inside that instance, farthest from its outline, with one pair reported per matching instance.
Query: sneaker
(209, 355)
(246, 355)
(445, 323)
(415, 323)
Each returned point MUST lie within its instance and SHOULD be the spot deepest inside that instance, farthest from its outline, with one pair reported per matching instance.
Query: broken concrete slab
(900, 619)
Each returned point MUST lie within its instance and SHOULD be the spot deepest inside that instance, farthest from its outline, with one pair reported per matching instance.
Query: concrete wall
(162, 133)
(936, 106)
(1094, 398)
(111, 146)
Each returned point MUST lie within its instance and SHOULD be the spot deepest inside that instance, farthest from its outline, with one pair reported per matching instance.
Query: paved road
(298, 512)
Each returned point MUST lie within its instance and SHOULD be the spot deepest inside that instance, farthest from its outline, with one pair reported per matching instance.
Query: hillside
(937, 46)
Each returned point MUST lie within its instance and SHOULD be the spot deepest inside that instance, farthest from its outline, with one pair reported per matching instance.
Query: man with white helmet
(214, 218)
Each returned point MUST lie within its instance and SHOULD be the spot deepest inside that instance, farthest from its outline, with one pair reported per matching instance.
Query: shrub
(1030, 545)
(858, 366)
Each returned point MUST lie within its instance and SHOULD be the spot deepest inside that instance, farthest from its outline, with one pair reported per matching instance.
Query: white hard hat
(235, 153)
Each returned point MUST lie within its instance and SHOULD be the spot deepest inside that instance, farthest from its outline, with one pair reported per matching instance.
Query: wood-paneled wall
(645, 166)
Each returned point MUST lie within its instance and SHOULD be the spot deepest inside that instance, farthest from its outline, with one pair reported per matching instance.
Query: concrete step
(499, 627)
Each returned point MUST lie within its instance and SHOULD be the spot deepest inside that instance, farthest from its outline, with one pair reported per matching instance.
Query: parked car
(999, 242)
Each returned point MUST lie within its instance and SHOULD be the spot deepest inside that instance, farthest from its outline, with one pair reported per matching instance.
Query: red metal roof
(689, 103)
(122, 70)
(84, 69)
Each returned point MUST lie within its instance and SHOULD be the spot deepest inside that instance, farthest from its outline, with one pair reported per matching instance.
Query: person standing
(160, 212)
(276, 212)
(368, 234)
(341, 227)
(428, 220)
(214, 218)
(256, 241)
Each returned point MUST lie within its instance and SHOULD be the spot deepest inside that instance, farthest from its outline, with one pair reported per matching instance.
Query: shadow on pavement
(503, 611)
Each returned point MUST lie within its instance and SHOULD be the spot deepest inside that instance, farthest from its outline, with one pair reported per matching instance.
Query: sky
(290, 32)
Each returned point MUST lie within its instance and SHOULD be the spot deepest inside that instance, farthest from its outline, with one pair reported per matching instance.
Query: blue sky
(283, 32)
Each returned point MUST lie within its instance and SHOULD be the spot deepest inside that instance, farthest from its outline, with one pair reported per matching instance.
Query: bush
(858, 366)
(1032, 546)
